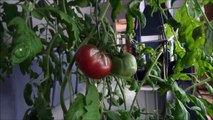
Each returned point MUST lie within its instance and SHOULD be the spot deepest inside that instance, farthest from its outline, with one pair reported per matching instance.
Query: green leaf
(181, 76)
(80, 3)
(134, 85)
(180, 112)
(209, 40)
(155, 4)
(116, 8)
(10, 11)
(193, 9)
(198, 103)
(135, 12)
(92, 104)
(199, 37)
(124, 114)
(179, 93)
(36, 15)
(112, 115)
(179, 49)
(168, 31)
(43, 109)
(70, 21)
(25, 42)
(92, 95)
(209, 88)
(27, 94)
(76, 110)
(93, 112)
(130, 23)
(116, 101)
(209, 106)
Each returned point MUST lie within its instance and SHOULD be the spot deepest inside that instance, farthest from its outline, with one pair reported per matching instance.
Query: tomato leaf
(135, 12)
(80, 3)
(130, 23)
(209, 40)
(179, 93)
(209, 106)
(116, 8)
(168, 31)
(43, 109)
(92, 104)
(209, 88)
(180, 111)
(198, 103)
(10, 11)
(181, 76)
(124, 114)
(134, 85)
(70, 21)
(193, 9)
(76, 110)
(155, 4)
(25, 42)
(112, 115)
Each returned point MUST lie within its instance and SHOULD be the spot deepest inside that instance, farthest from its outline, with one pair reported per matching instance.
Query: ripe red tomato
(92, 62)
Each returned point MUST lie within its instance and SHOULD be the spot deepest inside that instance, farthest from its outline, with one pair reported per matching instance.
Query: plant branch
(70, 87)
(48, 61)
(104, 10)
(198, 84)
(204, 15)
(159, 79)
(144, 79)
(68, 71)
(122, 92)
(64, 6)
(103, 95)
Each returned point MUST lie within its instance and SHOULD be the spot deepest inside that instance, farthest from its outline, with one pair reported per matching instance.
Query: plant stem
(144, 79)
(104, 10)
(64, 6)
(159, 79)
(48, 61)
(204, 15)
(70, 87)
(103, 95)
(64, 82)
(198, 84)
(122, 92)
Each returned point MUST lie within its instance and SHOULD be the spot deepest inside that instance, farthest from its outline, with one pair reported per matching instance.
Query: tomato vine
(52, 45)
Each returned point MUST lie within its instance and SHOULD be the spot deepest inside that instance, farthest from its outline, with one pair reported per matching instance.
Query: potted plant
(56, 44)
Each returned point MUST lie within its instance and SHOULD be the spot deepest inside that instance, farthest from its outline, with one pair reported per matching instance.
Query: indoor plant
(64, 32)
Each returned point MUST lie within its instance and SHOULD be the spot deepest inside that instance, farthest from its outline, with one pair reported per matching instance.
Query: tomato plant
(124, 65)
(92, 62)
(63, 26)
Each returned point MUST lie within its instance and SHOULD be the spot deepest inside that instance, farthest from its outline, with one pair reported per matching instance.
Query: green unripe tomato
(124, 65)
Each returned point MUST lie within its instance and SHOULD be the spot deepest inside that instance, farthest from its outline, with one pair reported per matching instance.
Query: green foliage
(136, 13)
(77, 110)
(180, 111)
(209, 88)
(85, 107)
(43, 108)
(52, 45)
(116, 8)
(209, 40)
(26, 43)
